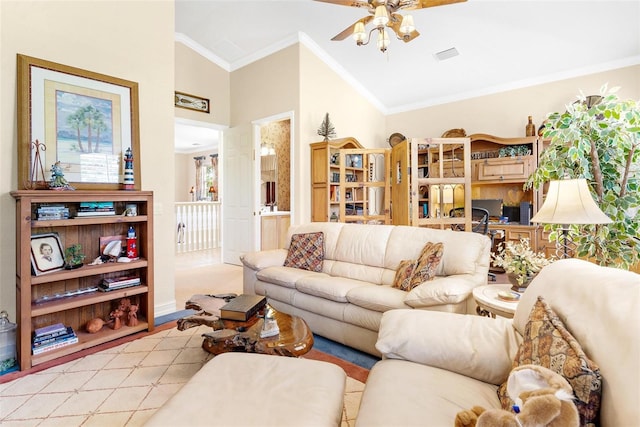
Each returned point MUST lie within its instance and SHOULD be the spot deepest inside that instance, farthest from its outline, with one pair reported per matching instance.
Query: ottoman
(248, 389)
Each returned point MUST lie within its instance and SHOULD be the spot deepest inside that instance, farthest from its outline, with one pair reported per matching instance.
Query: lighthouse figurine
(128, 182)
(132, 244)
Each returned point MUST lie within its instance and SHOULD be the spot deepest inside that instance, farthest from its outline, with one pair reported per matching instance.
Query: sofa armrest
(478, 347)
(263, 259)
(441, 290)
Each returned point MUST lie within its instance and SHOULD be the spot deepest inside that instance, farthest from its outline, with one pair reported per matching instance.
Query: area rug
(125, 384)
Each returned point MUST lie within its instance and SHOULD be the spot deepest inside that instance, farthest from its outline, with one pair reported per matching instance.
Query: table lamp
(569, 201)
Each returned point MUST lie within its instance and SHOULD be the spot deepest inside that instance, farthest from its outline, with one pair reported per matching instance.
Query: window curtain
(200, 179)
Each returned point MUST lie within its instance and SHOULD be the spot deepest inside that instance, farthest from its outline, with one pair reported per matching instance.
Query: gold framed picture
(82, 119)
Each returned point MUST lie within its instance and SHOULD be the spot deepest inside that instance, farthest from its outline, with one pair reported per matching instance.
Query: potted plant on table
(520, 263)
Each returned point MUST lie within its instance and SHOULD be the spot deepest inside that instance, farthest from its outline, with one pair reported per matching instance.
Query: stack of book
(118, 283)
(49, 212)
(52, 337)
(242, 307)
(96, 209)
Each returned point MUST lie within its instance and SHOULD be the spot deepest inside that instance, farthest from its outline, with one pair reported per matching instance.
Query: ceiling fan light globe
(407, 26)
(383, 40)
(381, 17)
(359, 35)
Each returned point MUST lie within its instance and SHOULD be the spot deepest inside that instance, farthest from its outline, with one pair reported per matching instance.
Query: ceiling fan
(384, 13)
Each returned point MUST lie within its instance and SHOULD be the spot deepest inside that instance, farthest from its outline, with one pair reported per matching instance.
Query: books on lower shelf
(242, 307)
(57, 338)
(50, 329)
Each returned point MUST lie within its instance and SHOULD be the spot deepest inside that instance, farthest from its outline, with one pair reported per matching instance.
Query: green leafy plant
(600, 143)
(73, 255)
(519, 259)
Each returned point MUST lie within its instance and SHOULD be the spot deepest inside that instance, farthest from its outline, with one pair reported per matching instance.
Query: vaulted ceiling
(502, 44)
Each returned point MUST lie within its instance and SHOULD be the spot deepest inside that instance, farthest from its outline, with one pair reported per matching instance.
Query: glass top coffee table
(294, 337)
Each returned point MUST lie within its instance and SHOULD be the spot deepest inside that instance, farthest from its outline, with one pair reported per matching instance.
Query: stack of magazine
(48, 212)
(118, 283)
(52, 337)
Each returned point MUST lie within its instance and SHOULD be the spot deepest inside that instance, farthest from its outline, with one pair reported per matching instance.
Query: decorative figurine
(132, 244)
(128, 180)
(116, 315)
(94, 325)
(132, 316)
(58, 181)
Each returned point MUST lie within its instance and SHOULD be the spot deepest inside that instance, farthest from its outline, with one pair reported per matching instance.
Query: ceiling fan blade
(349, 30)
(394, 24)
(351, 3)
(422, 4)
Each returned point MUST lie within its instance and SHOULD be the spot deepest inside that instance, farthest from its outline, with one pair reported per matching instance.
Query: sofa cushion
(403, 393)
(377, 297)
(441, 290)
(404, 273)
(328, 287)
(306, 251)
(428, 262)
(283, 276)
(546, 342)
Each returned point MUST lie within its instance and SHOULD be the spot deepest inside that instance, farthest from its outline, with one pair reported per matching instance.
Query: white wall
(130, 40)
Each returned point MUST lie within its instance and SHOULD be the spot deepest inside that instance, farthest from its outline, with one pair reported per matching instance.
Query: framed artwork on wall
(191, 102)
(82, 119)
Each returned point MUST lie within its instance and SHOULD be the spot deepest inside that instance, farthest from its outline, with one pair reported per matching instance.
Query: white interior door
(238, 222)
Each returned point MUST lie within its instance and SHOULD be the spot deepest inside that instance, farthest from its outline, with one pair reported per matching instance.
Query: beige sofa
(436, 364)
(345, 302)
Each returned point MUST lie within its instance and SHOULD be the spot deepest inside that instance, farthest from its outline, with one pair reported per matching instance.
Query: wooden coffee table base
(295, 337)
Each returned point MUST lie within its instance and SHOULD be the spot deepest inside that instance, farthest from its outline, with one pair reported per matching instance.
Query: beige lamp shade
(569, 201)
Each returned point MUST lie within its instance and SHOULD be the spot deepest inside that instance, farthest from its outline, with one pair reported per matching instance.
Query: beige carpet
(121, 386)
(202, 273)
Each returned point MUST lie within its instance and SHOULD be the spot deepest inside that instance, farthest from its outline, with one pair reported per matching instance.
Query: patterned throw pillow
(402, 280)
(548, 343)
(306, 251)
(427, 264)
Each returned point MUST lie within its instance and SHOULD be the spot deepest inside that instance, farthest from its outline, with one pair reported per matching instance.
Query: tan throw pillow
(428, 262)
(306, 251)
(548, 343)
(402, 280)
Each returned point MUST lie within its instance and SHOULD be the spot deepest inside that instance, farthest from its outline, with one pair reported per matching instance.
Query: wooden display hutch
(500, 167)
(53, 297)
(364, 186)
(325, 177)
(430, 177)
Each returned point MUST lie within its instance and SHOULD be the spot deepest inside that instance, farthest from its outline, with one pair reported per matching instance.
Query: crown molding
(305, 40)
(198, 48)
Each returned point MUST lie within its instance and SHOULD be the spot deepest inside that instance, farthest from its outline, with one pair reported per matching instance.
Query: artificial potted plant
(599, 142)
(73, 256)
(520, 262)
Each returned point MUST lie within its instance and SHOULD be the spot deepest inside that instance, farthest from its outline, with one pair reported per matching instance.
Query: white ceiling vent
(446, 54)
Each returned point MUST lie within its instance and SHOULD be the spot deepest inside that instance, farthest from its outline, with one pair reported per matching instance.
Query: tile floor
(121, 386)
(124, 385)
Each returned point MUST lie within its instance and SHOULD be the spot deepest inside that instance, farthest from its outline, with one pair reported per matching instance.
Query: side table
(489, 304)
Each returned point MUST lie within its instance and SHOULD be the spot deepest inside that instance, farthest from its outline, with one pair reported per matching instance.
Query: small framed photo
(46, 253)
